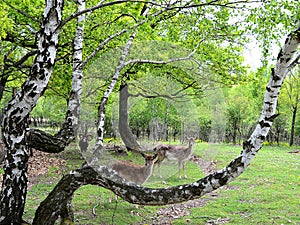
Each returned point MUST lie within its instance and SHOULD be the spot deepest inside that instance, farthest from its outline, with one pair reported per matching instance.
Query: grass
(268, 192)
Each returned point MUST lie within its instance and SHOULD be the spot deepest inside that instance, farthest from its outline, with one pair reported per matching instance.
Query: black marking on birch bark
(268, 103)
(280, 54)
(274, 95)
(32, 93)
(272, 118)
(35, 68)
(273, 74)
(43, 76)
(276, 78)
(222, 178)
(287, 60)
(44, 43)
(261, 137)
(247, 145)
(262, 124)
(234, 165)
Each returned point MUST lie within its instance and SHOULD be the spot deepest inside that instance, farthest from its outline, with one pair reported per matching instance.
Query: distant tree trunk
(124, 129)
(293, 125)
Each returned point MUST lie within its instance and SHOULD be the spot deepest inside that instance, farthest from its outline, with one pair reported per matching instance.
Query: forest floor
(40, 163)
(267, 193)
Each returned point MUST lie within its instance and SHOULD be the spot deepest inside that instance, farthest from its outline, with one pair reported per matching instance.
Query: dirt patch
(207, 167)
(39, 164)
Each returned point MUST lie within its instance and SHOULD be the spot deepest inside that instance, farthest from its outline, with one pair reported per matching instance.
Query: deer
(84, 142)
(135, 173)
(174, 152)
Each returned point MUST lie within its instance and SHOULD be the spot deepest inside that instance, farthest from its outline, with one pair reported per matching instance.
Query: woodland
(125, 76)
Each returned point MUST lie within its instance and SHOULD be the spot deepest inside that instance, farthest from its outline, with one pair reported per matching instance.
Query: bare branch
(24, 58)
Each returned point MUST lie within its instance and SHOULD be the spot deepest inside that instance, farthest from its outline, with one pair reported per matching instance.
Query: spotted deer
(135, 173)
(174, 152)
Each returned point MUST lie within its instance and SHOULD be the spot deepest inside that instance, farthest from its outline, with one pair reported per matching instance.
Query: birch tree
(14, 126)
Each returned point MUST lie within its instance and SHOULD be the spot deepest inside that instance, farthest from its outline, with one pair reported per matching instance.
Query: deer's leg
(158, 169)
(183, 167)
(110, 197)
(179, 165)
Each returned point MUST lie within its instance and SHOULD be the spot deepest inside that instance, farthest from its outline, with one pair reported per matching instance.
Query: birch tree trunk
(75, 96)
(15, 126)
(104, 99)
(72, 115)
(148, 196)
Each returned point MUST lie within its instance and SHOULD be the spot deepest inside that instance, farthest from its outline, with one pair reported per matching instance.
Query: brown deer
(135, 173)
(174, 152)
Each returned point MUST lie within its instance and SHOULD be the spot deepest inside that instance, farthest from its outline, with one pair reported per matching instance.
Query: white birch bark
(104, 99)
(75, 97)
(14, 126)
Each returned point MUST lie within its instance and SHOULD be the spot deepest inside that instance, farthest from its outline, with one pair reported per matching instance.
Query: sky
(253, 56)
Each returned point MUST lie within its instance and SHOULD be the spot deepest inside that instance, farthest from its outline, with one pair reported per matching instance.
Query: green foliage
(51, 108)
(6, 24)
(269, 20)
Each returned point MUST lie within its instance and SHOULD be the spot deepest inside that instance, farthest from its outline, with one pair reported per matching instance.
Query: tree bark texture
(72, 116)
(124, 129)
(104, 99)
(160, 196)
(75, 96)
(14, 125)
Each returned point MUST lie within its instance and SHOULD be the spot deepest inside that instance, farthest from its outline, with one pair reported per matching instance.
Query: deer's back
(178, 153)
(132, 173)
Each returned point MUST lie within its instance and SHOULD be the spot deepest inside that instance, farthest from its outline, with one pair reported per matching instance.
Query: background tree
(291, 97)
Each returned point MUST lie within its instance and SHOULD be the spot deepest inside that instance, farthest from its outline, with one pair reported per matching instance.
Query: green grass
(268, 192)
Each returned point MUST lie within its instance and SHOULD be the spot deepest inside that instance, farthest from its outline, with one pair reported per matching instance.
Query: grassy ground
(267, 193)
